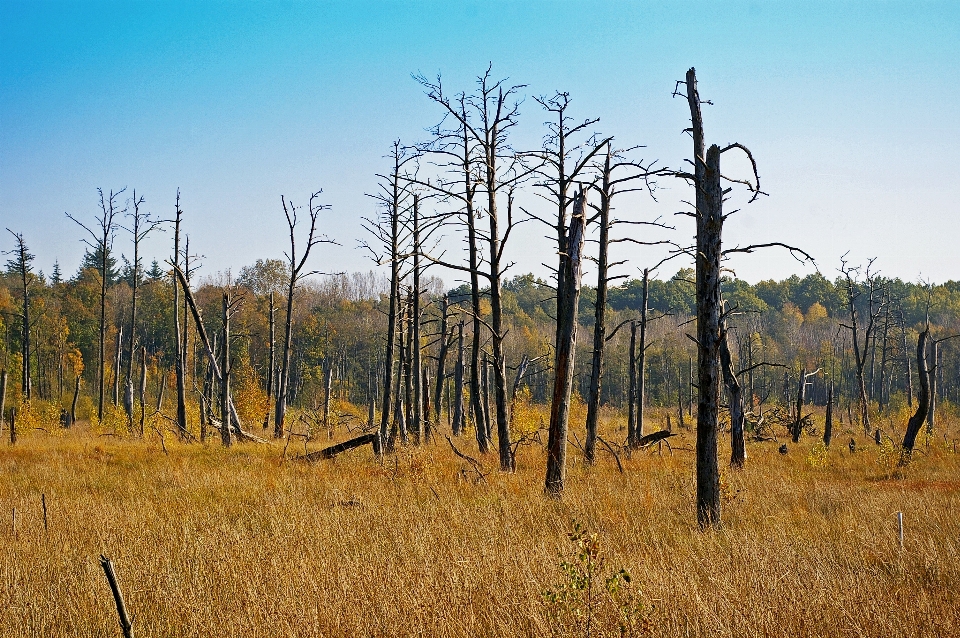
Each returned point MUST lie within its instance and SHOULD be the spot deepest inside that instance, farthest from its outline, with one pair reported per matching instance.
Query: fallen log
(654, 437)
(333, 450)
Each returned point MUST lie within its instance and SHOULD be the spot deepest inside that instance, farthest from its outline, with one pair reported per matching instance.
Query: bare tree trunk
(931, 413)
(709, 215)
(327, 391)
(828, 425)
(458, 416)
(416, 370)
(600, 313)
(641, 396)
(923, 399)
(117, 366)
(738, 449)
(632, 436)
(566, 352)
(225, 376)
(441, 357)
(178, 330)
(798, 415)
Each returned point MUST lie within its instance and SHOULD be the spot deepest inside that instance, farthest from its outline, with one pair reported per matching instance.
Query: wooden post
(126, 623)
(566, 351)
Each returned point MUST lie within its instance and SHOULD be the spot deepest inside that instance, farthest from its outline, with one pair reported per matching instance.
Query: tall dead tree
(562, 162)
(487, 116)
(416, 365)
(862, 328)
(609, 186)
(390, 237)
(101, 242)
(140, 226)
(297, 273)
(225, 374)
(21, 263)
(709, 216)
(566, 352)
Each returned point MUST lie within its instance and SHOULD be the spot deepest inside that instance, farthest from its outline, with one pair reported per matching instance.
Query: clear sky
(851, 110)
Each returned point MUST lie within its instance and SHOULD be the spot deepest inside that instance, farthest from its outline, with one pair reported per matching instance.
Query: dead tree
(566, 352)
(709, 216)
(21, 264)
(608, 187)
(455, 152)
(458, 416)
(738, 449)
(872, 288)
(560, 164)
(828, 424)
(101, 242)
(389, 234)
(225, 374)
(178, 328)
(297, 273)
(923, 399)
(416, 365)
(443, 350)
(802, 384)
(140, 226)
(487, 117)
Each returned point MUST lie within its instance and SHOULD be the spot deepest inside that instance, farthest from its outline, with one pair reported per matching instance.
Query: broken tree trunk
(923, 399)
(738, 450)
(709, 216)
(566, 352)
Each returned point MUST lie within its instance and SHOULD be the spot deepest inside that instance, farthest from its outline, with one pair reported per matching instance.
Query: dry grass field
(237, 542)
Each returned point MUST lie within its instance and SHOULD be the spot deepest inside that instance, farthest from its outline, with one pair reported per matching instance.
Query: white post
(900, 528)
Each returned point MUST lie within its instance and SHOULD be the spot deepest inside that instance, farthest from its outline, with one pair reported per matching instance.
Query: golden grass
(208, 541)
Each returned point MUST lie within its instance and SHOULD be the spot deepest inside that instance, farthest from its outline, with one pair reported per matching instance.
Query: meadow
(247, 542)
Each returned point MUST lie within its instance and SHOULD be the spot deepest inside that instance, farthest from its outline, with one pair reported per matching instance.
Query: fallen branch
(611, 450)
(474, 462)
(654, 437)
(126, 623)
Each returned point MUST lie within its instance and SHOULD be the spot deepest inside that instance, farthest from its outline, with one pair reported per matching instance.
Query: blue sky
(850, 108)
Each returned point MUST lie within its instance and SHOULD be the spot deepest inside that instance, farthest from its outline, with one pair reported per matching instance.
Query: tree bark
(566, 352)
(416, 371)
(641, 394)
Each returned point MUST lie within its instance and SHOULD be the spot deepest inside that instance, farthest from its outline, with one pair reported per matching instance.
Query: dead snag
(738, 450)
(566, 352)
(923, 399)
